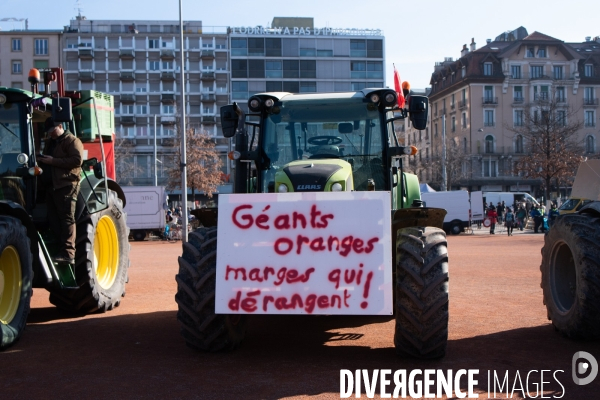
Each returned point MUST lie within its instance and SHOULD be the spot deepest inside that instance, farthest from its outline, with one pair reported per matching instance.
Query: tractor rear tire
(571, 275)
(16, 276)
(101, 261)
(421, 292)
(201, 328)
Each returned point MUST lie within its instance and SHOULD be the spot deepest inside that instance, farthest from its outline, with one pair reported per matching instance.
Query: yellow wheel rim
(106, 252)
(10, 284)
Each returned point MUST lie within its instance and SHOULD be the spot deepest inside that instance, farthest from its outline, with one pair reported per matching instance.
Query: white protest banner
(304, 253)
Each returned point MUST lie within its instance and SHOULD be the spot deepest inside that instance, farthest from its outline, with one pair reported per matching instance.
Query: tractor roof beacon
(96, 281)
(287, 144)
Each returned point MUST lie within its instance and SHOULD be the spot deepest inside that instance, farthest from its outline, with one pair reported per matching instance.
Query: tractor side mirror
(231, 115)
(61, 109)
(345, 127)
(417, 108)
(91, 162)
(98, 170)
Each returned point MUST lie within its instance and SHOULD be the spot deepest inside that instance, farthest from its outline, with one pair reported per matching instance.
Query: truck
(145, 210)
(570, 267)
(305, 163)
(457, 205)
(96, 281)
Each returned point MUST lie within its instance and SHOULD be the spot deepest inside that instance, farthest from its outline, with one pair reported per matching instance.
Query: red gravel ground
(497, 322)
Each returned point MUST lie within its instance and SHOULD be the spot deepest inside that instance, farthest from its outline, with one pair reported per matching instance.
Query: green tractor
(327, 142)
(96, 282)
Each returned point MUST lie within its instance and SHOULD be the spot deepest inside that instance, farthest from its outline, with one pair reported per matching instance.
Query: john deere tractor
(328, 142)
(96, 282)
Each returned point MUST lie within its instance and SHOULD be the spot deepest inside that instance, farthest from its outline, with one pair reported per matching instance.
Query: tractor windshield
(11, 131)
(344, 128)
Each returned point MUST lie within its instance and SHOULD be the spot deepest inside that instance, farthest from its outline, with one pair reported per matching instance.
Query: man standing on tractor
(63, 155)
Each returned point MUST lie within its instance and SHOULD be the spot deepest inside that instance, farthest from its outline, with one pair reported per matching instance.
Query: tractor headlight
(269, 103)
(282, 188)
(390, 98)
(22, 158)
(337, 187)
(375, 98)
(254, 104)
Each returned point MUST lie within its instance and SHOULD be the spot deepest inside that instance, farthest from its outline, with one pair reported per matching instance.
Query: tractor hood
(314, 176)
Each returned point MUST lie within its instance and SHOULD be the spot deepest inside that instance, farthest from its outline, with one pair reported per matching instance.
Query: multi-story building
(479, 97)
(139, 63)
(21, 50)
(295, 56)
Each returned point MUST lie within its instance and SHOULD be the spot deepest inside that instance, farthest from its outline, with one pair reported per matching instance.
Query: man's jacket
(67, 153)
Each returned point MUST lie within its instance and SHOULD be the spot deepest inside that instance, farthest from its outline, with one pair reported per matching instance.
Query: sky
(417, 33)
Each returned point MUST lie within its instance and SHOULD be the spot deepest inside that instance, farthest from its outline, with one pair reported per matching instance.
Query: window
(239, 90)
(515, 71)
(544, 93)
(239, 47)
(256, 68)
(307, 87)
(589, 118)
(488, 95)
(167, 65)
(274, 86)
(40, 64)
(292, 87)
(375, 70)
(290, 69)
(207, 45)
(141, 109)
(308, 52)
(127, 109)
(358, 69)
(561, 118)
(207, 110)
(489, 168)
(239, 68)
(537, 71)
(324, 53)
(153, 43)
(487, 68)
(41, 47)
(530, 52)
(273, 47)
(464, 120)
(453, 124)
(519, 144)
(464, 95)
(558, 72)
(141, 89)
(465, 145)
(308, 69)
(17, 85)
(168, 109)
(589, 70)
(542, 52)
(273, 69)
(452, 101)
(358, 48)
(518, 118)
(356, 86)
(256, 46)
(154, 65)
(518, 94)
(489, 144)
(17, 67)
(16, 45)
(488, 118)
(590, 144)
(588, 96)
(374, 48)
(560, 94)
(141, 131)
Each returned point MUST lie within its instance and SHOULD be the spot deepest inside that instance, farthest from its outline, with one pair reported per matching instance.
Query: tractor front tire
(16, 276)
(101, 261)
(421, 292)
(201, 328)
(571, 275)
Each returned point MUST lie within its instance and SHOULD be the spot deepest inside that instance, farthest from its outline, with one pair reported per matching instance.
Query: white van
(457, 205)
(509, 198)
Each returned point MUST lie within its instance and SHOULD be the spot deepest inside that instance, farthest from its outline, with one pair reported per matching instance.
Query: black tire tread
(201, 328)
(421, 292)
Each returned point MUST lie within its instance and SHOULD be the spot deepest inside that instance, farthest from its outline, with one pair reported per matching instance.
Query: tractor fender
(418, 216)
(41, 273)
(592, 208)
(86, 187)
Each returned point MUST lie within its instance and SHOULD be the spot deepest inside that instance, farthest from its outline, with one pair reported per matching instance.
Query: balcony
(126, 75)
(167, 54)
(590, 102)
(86, 76)
(541, 96)
(167, 98)
(207, 54)
(127, 120)
(462, 104)
(208, 97)
(518, 100)
(168, 120)
(208, 76)
(590, 124)
(210, 119)
(127, 54)
(489, 100)
(489, 123)
(167, 75)
(86, 53)
(127, 98)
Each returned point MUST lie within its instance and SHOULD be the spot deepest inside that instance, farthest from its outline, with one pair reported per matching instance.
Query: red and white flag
(398, 87)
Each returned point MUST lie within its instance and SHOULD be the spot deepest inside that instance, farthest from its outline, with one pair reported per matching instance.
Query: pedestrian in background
(492, 216)
(510, 221)
(536, 214)
(500, 211)
(521, 215)
(552, 214)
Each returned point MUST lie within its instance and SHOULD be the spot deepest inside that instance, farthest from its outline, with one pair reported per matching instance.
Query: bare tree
(455, 158)
(202, 162)
(125, 166)
(549, 135)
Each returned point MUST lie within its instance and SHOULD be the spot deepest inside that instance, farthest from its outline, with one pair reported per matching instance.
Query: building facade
(479, 97)
(21, 50)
